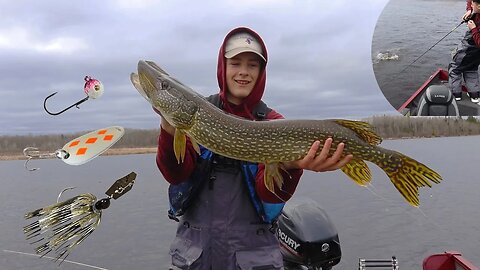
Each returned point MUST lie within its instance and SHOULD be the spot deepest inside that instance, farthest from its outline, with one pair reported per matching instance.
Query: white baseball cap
(243, 42)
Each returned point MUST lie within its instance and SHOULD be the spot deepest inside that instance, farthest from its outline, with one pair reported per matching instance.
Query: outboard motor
(438, 100)
(307, 237)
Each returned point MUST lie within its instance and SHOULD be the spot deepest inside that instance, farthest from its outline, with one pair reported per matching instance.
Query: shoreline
(109, 152)
(153, 150)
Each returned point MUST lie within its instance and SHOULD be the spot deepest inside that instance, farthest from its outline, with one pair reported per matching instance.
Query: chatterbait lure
(62, 226)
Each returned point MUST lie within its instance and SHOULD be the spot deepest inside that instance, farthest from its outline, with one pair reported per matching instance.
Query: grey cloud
(315, 53)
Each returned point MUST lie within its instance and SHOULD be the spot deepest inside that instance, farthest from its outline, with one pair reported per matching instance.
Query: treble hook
(93, 88)
(33, 153)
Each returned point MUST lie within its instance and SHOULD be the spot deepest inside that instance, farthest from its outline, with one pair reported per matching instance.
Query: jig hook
(57, 113)
(60, 194)
(93, 88)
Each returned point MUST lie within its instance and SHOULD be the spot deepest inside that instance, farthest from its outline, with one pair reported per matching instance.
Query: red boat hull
(450, 260)
(440, 76)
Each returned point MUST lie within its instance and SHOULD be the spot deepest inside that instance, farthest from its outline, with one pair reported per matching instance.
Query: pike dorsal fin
(363, 129)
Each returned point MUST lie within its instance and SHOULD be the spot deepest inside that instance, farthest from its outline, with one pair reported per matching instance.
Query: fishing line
(47, 257)
(370, 187)
(455, 28)
(453, 234)
(393, 77)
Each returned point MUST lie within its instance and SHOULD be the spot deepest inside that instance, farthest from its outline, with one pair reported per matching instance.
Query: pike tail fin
(408, 176)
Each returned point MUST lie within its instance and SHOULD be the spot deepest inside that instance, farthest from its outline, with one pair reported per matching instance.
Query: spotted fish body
(273, 142)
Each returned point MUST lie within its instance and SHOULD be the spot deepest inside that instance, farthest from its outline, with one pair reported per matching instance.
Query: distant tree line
(386, 126)
(409, 127)
(133, 138)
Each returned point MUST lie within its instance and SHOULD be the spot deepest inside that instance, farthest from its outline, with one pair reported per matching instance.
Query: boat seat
(438, 100)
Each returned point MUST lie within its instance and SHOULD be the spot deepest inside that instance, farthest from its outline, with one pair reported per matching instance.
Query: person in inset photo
(417, 63)
(466, 57)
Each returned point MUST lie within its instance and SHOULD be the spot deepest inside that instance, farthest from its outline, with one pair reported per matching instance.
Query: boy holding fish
(225, 212)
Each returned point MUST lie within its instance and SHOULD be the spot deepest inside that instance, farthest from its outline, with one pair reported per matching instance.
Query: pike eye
(164, 85)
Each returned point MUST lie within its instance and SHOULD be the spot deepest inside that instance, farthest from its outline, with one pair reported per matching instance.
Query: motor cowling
(307, 237)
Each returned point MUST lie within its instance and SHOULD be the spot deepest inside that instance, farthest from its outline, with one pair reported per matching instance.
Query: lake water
(408, 28)
(135, 232)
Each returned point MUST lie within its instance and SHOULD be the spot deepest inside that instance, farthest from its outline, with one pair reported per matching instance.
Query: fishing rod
(464, 21)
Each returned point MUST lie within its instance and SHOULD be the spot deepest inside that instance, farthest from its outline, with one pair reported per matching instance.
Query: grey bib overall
(221, 229)
(464, 64)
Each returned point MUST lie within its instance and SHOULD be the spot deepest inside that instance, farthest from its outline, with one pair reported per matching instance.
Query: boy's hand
(167, 127)
(322, 162)
(164, 123)
(471, 24)
(467, 14)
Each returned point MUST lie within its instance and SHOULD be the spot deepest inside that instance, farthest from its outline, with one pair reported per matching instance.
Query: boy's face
(242, 72)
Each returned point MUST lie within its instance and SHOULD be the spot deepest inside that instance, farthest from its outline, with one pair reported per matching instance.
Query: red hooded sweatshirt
(176, 173)
(475, 31)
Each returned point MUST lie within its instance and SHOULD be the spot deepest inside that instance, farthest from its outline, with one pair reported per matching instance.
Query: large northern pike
(273, 142)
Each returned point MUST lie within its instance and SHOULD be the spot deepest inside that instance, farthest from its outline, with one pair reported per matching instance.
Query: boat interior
(434, 98)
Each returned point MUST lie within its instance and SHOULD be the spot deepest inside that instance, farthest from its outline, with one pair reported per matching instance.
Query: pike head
(170, 97)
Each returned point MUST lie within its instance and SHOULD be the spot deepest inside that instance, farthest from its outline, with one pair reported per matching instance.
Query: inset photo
(426, 56)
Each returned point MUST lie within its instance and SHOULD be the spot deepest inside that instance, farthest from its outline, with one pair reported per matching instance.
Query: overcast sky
(319, 57)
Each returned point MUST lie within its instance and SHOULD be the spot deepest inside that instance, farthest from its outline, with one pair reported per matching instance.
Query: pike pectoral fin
(358, 171)
(273, 177)
(179, 145)
(195, 145)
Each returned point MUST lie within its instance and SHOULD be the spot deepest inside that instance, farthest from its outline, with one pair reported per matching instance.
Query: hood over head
(231, 46)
